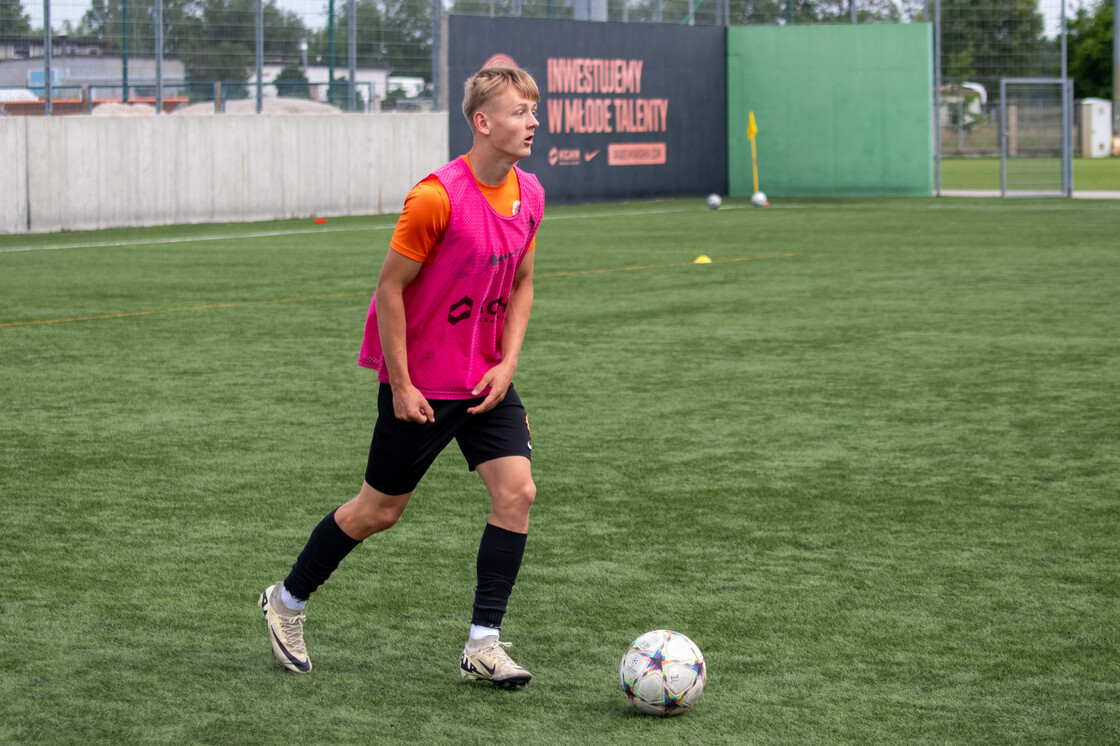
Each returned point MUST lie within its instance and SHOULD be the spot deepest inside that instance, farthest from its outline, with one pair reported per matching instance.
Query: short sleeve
(423, 221)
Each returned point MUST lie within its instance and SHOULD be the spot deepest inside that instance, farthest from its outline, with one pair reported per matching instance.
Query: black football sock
(325, 549)
(499, 559)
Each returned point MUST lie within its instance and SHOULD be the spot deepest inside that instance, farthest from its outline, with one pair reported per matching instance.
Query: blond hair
(488, 82)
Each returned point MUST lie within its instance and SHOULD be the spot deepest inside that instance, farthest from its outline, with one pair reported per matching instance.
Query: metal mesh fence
(1034, 140)
(363, 55)
(979, 45)
(213, 51)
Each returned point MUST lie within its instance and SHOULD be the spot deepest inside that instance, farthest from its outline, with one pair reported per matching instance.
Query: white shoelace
(293, 631)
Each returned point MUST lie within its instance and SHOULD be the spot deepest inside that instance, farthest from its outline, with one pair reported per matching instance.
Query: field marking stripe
(656, 266)
(233, 304)
(331, 296)
(191, 239)
(631, 213)
(307, 231)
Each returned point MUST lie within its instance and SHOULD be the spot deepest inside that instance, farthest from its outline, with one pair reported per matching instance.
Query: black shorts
(401, 452)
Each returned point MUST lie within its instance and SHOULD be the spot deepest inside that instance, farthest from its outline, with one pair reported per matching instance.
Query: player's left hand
(498, 379)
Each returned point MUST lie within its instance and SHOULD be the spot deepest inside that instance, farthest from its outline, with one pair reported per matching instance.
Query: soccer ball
(714, 201)
(662, 673)
(758, 199)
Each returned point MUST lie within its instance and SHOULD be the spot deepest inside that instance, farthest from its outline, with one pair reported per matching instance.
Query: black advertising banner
(627, 111)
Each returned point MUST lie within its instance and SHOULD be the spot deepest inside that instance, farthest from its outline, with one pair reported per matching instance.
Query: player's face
(513, 121)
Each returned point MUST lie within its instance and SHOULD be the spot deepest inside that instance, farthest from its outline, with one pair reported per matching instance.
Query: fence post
(260, 55)
(352, 53)
(1115, 73)
(47, 102)
(960, 124)
(124, 51)
(330, 52)
(937, 97)
(437, 28)
(159, 55)
(1012, 130)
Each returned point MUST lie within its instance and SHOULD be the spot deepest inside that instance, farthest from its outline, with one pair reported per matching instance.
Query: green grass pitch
(867, 459)
(1089, 174)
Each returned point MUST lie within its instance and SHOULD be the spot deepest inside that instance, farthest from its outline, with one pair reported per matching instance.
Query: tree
(370, 37)
(220, 42)
(395, 34)
(105, 21)
(13, 21)
(1090, 50)
(757, 12)
(216, 39)
(985, 40)
(560, 9)
(410, 38)
(704, 13)
(292, 83)
(867, 11)
(677, 11)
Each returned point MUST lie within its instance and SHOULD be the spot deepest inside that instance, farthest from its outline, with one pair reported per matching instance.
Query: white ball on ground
(714, 201)
(758, 199)
(662, 673)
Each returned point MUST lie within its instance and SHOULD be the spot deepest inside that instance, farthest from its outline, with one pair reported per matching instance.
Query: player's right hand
(411, 406)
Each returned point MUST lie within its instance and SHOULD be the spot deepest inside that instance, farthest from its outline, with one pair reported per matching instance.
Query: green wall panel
(842, 111)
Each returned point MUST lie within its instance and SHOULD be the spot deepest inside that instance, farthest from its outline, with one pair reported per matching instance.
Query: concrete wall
(77, 173)
(13, 176)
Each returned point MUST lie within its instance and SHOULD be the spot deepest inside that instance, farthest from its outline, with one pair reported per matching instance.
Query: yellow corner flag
(752, 130)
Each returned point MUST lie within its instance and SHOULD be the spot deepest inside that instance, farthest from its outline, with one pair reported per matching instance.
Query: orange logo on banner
(501, 60)
(563, 157)
(636, 154)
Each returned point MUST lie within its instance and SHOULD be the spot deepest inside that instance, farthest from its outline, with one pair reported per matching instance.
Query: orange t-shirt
(427, 213)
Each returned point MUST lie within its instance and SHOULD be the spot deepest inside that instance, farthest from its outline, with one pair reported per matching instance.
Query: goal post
(1036, 137)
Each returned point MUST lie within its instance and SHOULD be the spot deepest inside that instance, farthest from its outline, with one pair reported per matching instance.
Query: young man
(444, 333)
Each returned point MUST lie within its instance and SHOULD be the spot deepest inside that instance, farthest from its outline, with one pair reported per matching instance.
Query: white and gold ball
(662, 673)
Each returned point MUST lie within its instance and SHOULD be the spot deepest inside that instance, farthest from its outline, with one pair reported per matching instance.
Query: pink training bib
(456, 306)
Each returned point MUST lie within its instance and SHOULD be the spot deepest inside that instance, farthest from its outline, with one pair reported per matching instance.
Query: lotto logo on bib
(460, 310)
(463, 309)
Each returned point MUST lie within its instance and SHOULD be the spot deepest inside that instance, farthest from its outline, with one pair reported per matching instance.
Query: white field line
(191, 239)
(308, 231)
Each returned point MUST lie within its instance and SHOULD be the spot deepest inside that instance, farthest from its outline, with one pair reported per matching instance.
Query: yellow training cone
(703, 259)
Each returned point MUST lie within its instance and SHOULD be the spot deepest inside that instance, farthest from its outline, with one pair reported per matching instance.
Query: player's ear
(481, 122)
